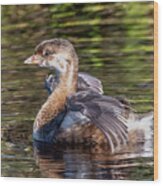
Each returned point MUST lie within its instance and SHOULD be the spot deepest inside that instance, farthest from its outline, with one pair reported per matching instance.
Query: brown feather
(56, 101)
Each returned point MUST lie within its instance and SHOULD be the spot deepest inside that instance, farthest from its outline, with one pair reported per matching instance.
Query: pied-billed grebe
(76, 110)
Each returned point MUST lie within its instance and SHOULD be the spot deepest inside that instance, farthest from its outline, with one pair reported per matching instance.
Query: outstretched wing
(107, 113)
(85, 82)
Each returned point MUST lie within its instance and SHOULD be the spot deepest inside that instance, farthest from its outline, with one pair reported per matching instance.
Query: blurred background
(114, 42)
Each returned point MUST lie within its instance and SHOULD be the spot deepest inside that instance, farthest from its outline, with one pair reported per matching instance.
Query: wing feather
(86, 81)
(106, 113)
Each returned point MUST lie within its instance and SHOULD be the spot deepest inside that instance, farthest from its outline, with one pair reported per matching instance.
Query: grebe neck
(67, 84)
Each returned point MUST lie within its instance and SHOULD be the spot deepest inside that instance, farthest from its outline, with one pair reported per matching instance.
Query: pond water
(114, 42)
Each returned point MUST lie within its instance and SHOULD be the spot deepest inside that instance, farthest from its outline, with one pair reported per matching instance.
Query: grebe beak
(34, 59)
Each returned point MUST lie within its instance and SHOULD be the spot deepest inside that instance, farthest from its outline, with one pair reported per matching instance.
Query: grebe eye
(47, 53)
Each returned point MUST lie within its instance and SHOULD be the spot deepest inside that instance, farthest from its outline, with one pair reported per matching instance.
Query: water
(114, 42)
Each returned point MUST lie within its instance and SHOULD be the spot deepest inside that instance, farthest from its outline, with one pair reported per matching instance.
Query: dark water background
(114, 42)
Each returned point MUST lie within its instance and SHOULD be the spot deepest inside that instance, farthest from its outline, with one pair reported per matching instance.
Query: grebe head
(54, 54)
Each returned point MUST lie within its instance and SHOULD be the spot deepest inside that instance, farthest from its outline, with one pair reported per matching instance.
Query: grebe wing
(107, 113)
(86, 81)
(72, 118)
